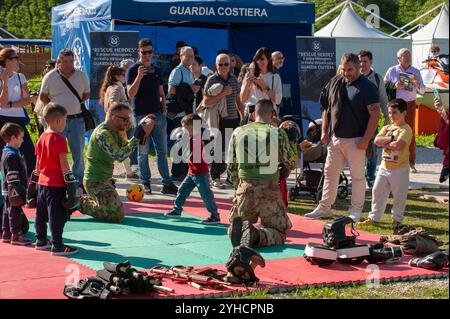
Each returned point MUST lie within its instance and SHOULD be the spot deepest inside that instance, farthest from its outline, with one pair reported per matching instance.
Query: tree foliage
(31, 18)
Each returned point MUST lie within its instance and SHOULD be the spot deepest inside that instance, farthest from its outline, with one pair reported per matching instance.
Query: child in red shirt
(198, 175)
(54, 178)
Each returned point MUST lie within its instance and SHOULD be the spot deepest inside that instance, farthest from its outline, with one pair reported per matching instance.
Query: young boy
(198, 175)
(13, 186)
(54, 178)
(393, 175)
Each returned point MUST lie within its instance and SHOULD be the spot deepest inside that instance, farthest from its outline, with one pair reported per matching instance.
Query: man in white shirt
(54, 90)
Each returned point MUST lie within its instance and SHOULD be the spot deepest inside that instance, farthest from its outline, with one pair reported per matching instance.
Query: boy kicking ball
(54, 177)
(393, 174)
(198, 175)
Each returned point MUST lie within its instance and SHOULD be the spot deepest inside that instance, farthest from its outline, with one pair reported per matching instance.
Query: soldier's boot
(236, 231)
(250, 235)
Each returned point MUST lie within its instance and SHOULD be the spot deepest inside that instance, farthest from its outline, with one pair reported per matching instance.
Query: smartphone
(251, 70)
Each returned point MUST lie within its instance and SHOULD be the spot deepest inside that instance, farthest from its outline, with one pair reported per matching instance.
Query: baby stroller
(313, 151)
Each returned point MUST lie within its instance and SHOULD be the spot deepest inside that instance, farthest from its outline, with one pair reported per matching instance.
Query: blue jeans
(202, 183)
(159, 138)
(371, 164)
(75, 132)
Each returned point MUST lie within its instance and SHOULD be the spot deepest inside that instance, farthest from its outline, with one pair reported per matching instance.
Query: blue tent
(240, 26)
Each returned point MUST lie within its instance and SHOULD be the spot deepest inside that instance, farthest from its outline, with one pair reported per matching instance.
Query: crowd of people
(239, 105)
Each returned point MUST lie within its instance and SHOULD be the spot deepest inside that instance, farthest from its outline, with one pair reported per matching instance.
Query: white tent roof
(436, 29)
(349, 25)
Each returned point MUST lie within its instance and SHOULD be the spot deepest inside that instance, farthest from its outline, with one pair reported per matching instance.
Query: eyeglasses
(281, 58)
(147, 52)
(125, 119)
(223, 64)
(13, 58)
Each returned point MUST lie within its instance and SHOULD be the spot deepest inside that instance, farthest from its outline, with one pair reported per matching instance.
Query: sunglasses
(223, 64)
(125, 119)
(147, 52)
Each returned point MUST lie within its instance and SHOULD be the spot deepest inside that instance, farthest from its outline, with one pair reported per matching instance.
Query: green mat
(153, 239)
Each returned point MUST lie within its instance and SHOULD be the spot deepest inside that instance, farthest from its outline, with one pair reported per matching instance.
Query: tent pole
(346, 3)
(442, 5)
(332, 10)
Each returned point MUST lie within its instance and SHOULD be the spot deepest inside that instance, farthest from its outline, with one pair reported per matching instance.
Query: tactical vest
(256, 151)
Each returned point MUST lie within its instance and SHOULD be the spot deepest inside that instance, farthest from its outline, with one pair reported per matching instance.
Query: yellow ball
(135, 192)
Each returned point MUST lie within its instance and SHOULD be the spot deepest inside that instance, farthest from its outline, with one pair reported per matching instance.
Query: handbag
(89, 121)
(27, 117)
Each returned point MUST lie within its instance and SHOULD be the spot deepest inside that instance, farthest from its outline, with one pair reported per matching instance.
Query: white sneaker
(217, 183)
(319, 212)
(355, 216)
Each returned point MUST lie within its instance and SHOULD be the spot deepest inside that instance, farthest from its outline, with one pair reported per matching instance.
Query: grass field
(430, 215)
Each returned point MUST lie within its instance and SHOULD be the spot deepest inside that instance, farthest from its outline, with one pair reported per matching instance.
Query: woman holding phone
(261, 81)
(14, 96)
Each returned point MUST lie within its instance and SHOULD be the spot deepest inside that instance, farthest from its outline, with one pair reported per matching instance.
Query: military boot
(250, 235)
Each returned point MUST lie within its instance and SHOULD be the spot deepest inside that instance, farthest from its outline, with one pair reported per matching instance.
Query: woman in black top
(200, 80)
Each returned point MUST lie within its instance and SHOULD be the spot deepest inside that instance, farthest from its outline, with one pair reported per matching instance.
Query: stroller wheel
(292, 194)
(342, 192)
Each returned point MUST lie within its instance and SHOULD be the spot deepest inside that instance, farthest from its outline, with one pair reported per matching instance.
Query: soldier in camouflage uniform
(256, 180)
(105, 147)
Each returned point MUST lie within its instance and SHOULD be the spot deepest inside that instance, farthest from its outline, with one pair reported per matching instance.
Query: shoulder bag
(89, 122)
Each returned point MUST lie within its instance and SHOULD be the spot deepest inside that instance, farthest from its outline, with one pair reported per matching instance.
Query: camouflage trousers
(260, 198)
(103, 202)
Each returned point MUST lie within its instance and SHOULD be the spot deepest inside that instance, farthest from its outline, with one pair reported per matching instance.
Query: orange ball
(135, 192)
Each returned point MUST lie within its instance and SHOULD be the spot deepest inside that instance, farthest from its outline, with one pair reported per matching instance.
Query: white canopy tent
(353, 34)
(434, 32)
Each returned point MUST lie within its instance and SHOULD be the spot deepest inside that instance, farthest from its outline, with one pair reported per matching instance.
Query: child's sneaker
(173, 212)
(20, 240)
(211, 220)
(42, 244)
(6, 237)
(64, 251)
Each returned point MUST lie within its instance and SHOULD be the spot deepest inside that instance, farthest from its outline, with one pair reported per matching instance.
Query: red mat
(27, 273)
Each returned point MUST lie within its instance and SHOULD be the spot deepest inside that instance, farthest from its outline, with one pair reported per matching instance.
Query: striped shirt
(231, 99)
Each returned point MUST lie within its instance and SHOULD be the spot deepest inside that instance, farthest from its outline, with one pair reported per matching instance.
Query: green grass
(425, 140)
(422, 289)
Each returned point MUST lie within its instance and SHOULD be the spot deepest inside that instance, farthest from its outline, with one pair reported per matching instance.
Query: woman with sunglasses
(14, 96)
(113, 91)
(261, 82)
